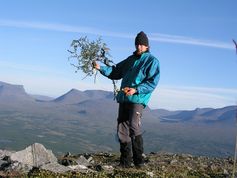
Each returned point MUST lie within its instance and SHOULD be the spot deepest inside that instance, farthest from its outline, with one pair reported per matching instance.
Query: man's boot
(137, 147)
(126, 154)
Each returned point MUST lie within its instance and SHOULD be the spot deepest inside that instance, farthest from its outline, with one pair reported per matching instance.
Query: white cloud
(61, 27)
(189, 40)
(88, 30)
(182, 98)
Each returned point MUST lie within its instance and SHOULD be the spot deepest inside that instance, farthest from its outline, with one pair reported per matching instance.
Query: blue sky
(191, 39)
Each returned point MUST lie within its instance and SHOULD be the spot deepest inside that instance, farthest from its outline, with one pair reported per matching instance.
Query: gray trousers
(129, 121)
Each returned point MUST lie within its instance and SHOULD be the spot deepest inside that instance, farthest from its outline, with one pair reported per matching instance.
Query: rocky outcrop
(37, 161)
(34, 155)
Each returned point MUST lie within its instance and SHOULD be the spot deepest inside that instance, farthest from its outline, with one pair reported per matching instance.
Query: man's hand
(96, 65)
(129, 91)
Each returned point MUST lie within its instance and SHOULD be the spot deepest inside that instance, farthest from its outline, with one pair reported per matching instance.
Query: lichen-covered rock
(34, 155)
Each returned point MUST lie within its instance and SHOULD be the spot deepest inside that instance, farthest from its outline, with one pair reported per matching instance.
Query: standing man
(140, 74)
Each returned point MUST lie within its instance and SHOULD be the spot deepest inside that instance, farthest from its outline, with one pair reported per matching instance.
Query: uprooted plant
(87, 52)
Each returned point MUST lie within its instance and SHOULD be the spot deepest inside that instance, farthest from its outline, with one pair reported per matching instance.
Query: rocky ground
(15, 164)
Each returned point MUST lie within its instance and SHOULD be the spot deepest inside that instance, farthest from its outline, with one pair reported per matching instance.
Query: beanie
(141, 39)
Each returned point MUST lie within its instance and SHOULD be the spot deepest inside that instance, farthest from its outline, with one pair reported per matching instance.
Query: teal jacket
(139, 72)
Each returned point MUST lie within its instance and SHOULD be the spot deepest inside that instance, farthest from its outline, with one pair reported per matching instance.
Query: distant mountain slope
(72, 97)
(98, 110)
(205, 115)
(222, 114)
(42, 97)
(75, 96)
(97, 94)
(161, 113)
(13, 93)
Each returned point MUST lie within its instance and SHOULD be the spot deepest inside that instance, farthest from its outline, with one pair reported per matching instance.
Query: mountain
(98, 94)
(162, 113)
(82, 121)
(75, 96)
(13, 93)
(71, 97)
(98, 106)
(99, 101)
(226, 114)
(203, 115)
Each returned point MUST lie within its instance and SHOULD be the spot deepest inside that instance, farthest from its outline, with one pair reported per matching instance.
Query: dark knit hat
(141, 39)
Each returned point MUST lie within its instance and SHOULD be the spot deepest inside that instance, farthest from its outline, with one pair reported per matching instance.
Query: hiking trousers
(129, 121)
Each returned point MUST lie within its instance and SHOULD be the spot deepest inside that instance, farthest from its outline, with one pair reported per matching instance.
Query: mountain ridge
(15, 94)
(89, 118)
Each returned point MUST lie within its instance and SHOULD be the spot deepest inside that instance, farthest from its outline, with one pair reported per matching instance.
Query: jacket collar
(139, 56)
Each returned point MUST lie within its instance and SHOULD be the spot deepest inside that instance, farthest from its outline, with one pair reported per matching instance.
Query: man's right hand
(96, 65)
(129, 91)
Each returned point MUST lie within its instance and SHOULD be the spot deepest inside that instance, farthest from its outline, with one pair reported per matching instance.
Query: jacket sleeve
(113, 72)
(151, 80)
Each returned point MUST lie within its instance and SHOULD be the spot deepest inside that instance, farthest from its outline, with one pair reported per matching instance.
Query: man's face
(140, 49)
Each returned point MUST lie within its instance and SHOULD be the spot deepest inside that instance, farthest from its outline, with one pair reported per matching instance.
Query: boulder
(34, 155)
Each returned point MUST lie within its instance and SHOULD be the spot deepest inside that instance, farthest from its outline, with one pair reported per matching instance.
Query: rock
(3, 164)
(78, 167)
(68, 154)
(55, 167)
(225, 172)
(108, 168)
(15, 166)
(159, 165)
(173, 161)
(90, 160)
(83, 161)
(98, 168)
(67, 161)
(34, 155)
(150, 174)
(4, 153)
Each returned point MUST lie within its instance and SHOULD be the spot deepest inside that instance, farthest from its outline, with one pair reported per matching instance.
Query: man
(140, 75)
